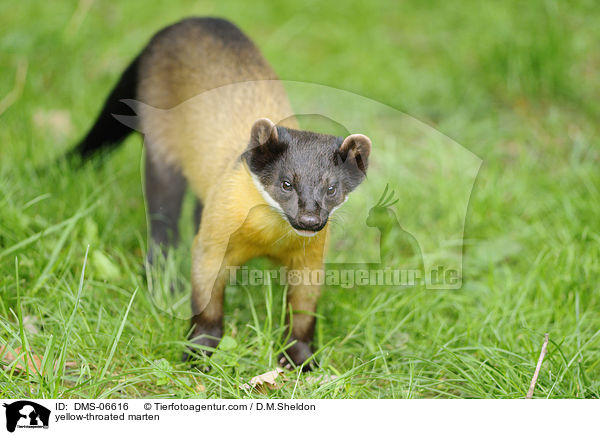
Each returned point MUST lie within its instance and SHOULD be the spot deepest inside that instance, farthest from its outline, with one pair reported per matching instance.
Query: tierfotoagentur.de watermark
(346, 278)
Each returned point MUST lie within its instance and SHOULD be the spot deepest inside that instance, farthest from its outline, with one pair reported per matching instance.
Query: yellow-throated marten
(264, 188)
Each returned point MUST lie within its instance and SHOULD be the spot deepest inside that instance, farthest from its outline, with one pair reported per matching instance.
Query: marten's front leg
(303, 304)
(208, 288)
(302, 298)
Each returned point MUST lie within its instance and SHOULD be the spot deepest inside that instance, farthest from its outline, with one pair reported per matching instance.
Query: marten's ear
(263, 131)
(265, 145)
(264, 137)
(355, 150)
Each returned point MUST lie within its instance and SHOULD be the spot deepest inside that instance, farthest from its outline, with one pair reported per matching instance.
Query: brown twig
(538, 367)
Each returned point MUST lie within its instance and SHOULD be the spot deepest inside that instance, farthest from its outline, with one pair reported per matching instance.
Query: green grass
(514, 83)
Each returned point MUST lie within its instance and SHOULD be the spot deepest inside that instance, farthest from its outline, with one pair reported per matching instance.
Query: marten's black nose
(309, 222)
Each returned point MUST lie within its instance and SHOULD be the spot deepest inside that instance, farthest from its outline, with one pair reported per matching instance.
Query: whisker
(284, 235)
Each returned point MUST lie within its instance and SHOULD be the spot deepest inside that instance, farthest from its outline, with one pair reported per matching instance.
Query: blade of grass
(117, 337)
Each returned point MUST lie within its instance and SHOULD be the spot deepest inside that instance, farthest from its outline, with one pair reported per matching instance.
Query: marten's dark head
(303, 175)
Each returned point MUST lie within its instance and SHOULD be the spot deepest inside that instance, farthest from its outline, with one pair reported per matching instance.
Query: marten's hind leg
(165, 187)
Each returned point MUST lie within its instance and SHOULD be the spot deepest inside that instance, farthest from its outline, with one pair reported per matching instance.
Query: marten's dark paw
(203, 344)
(296, 355)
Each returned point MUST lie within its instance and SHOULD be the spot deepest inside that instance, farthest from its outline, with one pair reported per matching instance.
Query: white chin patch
(268, 199)
(305, 233)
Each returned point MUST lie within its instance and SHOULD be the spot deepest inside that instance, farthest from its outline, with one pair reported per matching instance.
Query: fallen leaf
(265, 381)
(34, 362)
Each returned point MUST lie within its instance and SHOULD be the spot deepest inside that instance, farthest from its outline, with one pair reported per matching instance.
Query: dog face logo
(26, 414)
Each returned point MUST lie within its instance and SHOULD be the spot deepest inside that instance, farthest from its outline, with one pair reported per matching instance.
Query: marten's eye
(286, 186)
(331, 190)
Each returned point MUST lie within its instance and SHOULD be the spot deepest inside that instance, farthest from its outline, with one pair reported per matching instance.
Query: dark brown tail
(107, 132)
